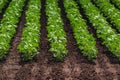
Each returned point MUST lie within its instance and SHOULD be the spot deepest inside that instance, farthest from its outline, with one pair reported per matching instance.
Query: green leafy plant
(29, 44)
(56, 34)
(84, 39)
(2, 4)
(116, 3)
(104, 31)
(109, 10)
(8, 25)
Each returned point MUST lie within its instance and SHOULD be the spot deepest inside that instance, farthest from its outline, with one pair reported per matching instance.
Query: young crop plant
(104, 31)
(9, 24)
(2, 4)
(56, 34)
(30, 40)
(116, 3)
(109, 10)
(84, 39)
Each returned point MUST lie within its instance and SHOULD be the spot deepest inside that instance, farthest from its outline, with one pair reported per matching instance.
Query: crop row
(116, 3)
(8, 25)
(29, 44)
(56, 34)
(84, 39)
(104, 31)
(2, 4)
(112, 13)
(30, 39)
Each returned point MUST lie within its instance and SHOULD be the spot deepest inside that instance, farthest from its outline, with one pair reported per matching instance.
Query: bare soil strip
(108, 69)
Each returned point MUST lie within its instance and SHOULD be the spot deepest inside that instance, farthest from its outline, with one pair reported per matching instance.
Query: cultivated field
(60, 40)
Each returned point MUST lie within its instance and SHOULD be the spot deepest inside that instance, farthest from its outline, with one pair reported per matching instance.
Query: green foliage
(116, 3)
(29, 44)
(8, 25)
(56, 34)
(84, 39)
(112, 13)
(2, 4)
(104, 31)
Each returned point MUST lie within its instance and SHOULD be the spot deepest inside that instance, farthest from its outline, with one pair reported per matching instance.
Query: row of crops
(30, 40)
(9, 24)
(111, 13)
(104, 31)
(81, 34)
(56, 34)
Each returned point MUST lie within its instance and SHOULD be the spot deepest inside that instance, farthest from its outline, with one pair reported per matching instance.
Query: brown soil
(45, 67)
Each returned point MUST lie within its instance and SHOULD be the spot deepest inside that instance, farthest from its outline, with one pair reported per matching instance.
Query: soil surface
(44, 66)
